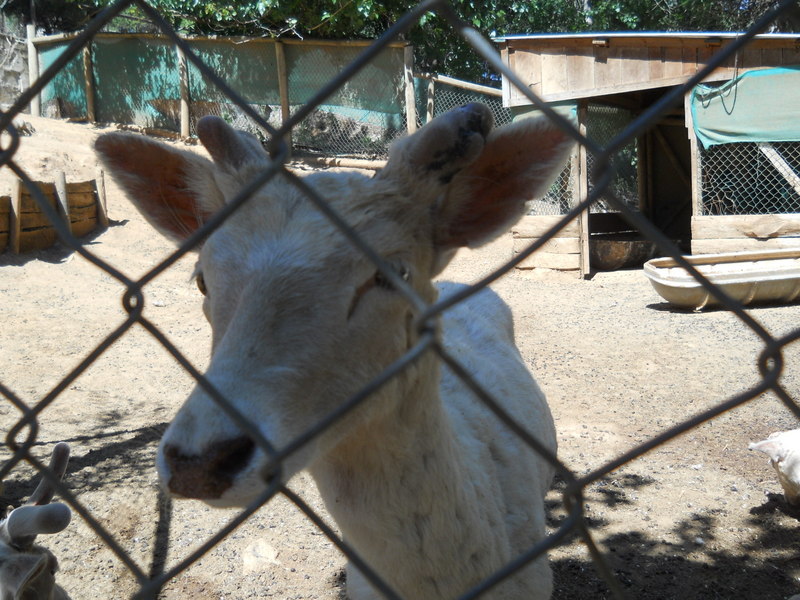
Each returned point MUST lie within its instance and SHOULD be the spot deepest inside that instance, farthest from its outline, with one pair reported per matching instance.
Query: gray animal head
(27, 570)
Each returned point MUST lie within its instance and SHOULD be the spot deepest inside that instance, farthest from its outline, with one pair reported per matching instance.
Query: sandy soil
(698, 517)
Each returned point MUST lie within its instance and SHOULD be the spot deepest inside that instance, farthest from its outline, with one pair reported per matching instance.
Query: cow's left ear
(518, 163)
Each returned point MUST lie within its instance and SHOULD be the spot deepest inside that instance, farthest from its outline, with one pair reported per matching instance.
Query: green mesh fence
(363, 116)
(255, 64)
(137, 81)
(65, 96)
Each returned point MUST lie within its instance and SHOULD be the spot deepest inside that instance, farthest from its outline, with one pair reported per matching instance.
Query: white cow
(428, 486)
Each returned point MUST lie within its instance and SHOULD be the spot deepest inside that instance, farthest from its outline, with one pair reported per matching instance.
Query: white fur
(27, 570)
(428, 486)
(783, 449)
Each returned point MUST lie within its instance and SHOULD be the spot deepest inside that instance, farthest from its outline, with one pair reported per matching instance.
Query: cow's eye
(382, 281)
(201, 284)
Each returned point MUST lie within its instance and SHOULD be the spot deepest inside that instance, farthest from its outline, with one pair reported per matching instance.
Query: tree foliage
(437, 47)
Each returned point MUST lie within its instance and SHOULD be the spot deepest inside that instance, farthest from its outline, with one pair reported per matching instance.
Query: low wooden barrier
(23, 225)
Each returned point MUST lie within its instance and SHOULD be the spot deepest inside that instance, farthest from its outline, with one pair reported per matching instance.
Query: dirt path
(699, 517)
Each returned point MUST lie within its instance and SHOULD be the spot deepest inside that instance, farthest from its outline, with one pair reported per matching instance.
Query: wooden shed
(607, 80)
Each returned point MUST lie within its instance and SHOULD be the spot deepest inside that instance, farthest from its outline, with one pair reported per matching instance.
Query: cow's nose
(207, 475)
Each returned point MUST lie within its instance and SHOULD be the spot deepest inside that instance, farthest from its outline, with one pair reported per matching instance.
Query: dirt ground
(698, 517)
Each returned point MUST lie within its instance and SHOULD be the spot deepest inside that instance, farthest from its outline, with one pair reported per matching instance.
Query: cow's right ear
(175, 190)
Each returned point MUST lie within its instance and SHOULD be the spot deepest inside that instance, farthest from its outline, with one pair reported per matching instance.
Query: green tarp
(757, 106)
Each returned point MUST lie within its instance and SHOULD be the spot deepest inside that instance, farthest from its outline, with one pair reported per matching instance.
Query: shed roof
(570, 66)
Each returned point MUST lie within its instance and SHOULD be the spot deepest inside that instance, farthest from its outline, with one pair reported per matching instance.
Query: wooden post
(695, 168)
(102, 208)
(88, 81)
(430, 105)
(643, 175)
(283, 86)
(33, 70)
(467, 85)
(15, 216)
(183, 73)
(63, 199)
(583, 191)
(408, 77)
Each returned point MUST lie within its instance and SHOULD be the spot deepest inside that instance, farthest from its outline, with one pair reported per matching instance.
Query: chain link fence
(750, 178)
(604, 124)
(13, 72)
(437, 95)
(610, 148)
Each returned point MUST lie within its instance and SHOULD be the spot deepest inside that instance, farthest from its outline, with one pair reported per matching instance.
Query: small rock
(23, 127)
(259, 556)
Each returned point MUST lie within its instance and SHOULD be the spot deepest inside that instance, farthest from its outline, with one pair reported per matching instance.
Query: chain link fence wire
(347, 123)
(604, 123)
(608, 152)
(435, 97)
(13, 70)
(750, 178)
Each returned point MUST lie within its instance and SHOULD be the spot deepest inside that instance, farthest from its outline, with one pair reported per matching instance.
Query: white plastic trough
(749, 277)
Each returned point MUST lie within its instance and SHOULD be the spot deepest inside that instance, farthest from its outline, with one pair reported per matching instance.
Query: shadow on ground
(691, 566)
(115, 457)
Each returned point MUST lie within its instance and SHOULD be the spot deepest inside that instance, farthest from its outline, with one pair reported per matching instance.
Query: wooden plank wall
(24, 227)
(571, 68)
(5, 216)
(714, 234)
(561, 253)
(30, 228)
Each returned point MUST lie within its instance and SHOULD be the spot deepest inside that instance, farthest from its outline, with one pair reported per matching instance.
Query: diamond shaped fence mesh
(156, 568)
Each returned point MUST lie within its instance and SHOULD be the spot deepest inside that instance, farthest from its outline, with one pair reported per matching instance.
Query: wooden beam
(64, 37)
(780, 164)
(695, 169)
(759, 227)
(5, 214)
(283, 87)
(533, 227)
(742, 245)
(585, 264)
(102, 208)
(88, 82)
(671, 156)
(558, 245)
(15, 216)
(183, 73)
(347, 163)
(63, 199)
(464, 85)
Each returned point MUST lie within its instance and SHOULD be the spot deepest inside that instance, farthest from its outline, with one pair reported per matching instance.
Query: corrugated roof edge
(634, 34)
